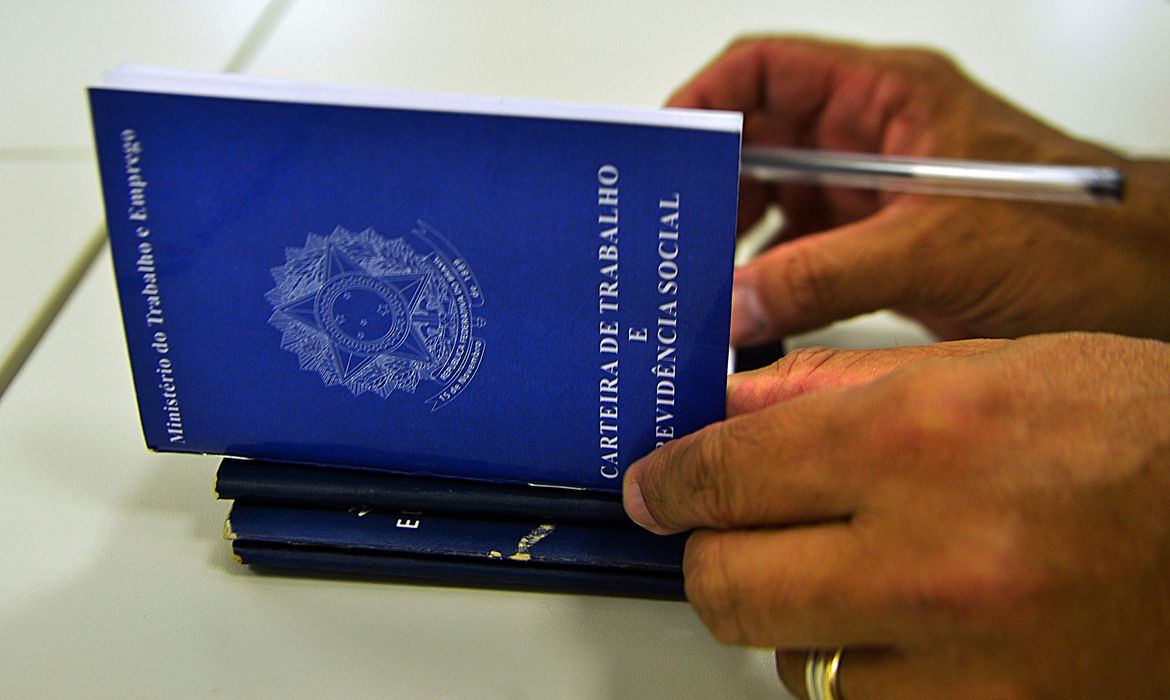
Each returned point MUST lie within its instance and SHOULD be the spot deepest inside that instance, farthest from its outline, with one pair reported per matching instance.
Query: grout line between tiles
(47, 313)
(262, 30)
(258, 35)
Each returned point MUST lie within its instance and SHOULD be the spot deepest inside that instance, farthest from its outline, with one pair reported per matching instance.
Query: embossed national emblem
(381, 315)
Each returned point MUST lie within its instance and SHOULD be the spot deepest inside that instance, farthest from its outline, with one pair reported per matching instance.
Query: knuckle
(694, 483)
(713, 589)
(935, 424)
(798, 365)
(934, 61)
(808, 282)
(1012, 689)
(717, 499)
(746, 39)
(805, 360)
(661, 493)
(989, 600)
(930, 418)
(978, 593)
(925, 61)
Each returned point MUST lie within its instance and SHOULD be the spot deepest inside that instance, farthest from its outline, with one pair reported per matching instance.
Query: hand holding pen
(963, 266)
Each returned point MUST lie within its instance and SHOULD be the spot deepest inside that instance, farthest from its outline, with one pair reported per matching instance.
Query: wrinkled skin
(965, 521)
(972, 519)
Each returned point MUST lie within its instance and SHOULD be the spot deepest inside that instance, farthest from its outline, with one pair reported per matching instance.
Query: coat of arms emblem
(381, 315)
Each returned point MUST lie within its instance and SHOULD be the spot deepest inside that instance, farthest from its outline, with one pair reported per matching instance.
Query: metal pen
(1081, 185)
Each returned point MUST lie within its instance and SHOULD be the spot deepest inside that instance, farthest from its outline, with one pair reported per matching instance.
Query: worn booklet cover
(296, 518)
(262, 481)
(458, 286)
(406, 568)
(534, 543)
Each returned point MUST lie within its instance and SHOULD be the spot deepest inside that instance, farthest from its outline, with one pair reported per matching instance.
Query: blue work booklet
(442, 531)
(466, 287)
(428, 530)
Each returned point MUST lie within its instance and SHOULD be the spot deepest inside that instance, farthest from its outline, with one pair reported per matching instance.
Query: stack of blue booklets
(429, 332)
(442, 531)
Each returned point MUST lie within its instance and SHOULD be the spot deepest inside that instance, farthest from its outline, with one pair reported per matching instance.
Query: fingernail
(636, 507)
(749, 321)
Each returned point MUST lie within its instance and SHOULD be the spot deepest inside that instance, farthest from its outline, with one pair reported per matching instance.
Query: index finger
(814, 368)
(812, 93)
(786, 464)
(741, 78)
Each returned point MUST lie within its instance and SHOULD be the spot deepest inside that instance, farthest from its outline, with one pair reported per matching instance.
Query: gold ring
(820, 674)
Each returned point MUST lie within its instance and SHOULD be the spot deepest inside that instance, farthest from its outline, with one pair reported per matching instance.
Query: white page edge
(145, 78)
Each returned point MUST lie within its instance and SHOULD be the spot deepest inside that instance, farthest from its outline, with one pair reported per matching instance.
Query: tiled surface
(50, 51)
(1094, 68)
(47, 209)
(114, 582)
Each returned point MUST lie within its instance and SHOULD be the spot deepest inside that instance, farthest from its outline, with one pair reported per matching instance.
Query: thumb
(811, 281)
(810, 369)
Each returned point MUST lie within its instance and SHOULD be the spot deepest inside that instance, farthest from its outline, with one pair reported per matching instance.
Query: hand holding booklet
(424, 286)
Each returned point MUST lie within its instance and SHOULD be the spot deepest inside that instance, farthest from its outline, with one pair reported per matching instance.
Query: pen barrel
(1083, 185)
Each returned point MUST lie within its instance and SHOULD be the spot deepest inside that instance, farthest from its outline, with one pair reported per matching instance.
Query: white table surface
(113, 579)
(50, 203)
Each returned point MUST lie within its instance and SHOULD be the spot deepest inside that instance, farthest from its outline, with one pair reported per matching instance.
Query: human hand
(964, 267)
(961, 518)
